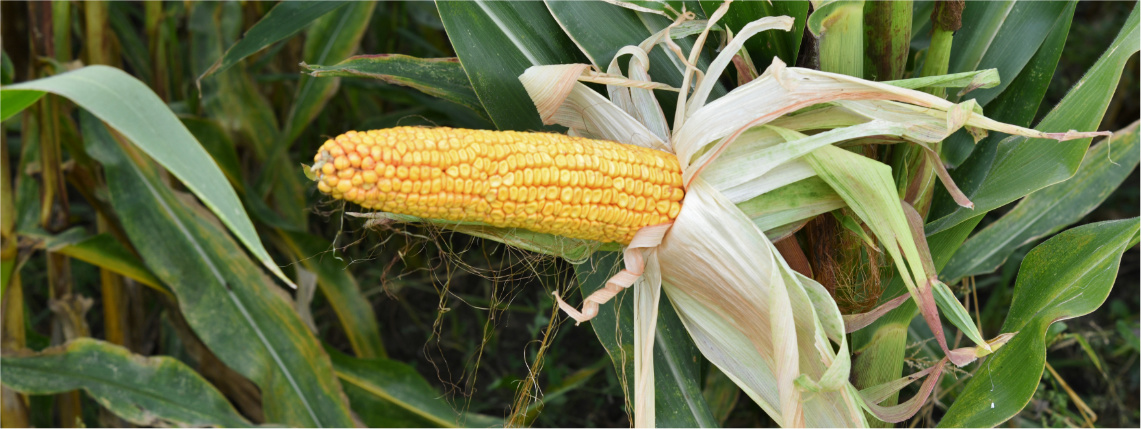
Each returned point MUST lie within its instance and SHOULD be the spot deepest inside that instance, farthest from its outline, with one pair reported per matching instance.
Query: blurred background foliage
(469, 320)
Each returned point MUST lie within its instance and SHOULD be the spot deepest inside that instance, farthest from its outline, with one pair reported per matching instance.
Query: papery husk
(751, 315)
(782, 90)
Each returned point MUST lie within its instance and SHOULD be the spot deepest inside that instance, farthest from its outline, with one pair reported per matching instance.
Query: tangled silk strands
(646, 238)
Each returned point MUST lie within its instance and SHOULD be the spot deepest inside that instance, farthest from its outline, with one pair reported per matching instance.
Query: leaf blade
(1022, 165)
(1067, 276)
(146, 391)
(128, 106)
(496, 42)
(228, 302)
(284, 20)
(1047, 210)
(439, 77)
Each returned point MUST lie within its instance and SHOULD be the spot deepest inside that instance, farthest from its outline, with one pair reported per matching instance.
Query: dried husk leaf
(737, 297)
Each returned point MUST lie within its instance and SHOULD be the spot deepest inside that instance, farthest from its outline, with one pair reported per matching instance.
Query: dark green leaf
(1022, 165)
(389, 393)
(232, 306)
(1021, 30)
(438, 77)
(1067, 276)
(496, 42)
(1050, 209)
(128, 106)
(147, 391)
(284, 20)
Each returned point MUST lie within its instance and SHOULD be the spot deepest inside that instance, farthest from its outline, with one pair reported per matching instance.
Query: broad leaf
(1021, 95)
(389, 393)
(1003, 36)
(1023, 165)
(146, 391)
(438, 77)
(284, 20)
(496, 42)
(234, 308)
(128, 106)
(219, 146)
(1050, 209)
(1067, 276)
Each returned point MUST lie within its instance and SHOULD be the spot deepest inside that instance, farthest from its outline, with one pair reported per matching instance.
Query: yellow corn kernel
(549, 183)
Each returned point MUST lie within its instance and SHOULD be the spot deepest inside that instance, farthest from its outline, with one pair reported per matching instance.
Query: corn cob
(548, 183)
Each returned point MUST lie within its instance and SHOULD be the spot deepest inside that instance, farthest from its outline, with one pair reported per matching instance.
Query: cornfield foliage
(167, 258)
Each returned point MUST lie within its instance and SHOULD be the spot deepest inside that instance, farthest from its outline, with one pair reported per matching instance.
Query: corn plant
(801, 180)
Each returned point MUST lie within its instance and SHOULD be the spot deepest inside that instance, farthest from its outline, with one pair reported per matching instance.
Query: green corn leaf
(1018, 101)
(284, 20)
(1025, 165)
(955, 313)
(1050, 209)
(438, 77)
(13, 102)
(800, 200)
(228, 302)
(146, 391)
(1067, 276)
(1003, 36)
(496, 42)
(866, 187)
(219, 146)
(103, 251)
(764, 46)
(128, 106)
(389, 393)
